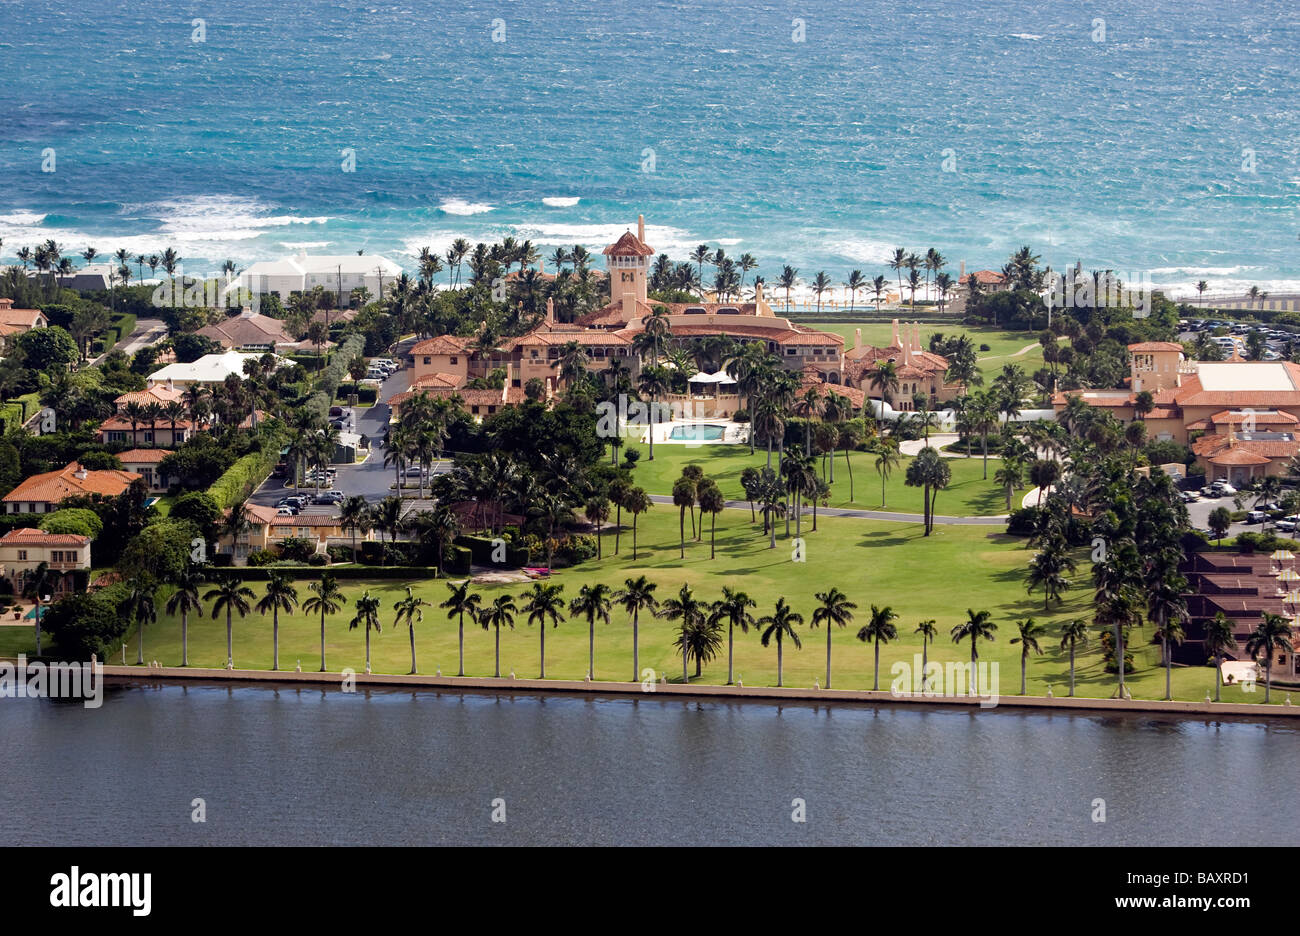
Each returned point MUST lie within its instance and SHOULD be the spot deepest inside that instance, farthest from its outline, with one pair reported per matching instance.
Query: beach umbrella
(1289, 575)
(1280, 554)
(1292, 597)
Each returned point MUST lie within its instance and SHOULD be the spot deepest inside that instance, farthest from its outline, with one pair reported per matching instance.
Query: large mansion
(443, 364)
(1239, 417)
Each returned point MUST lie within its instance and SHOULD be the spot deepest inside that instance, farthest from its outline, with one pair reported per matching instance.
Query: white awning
(718, 378)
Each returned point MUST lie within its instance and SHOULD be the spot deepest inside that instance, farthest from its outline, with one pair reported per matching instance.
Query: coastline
(121, 675)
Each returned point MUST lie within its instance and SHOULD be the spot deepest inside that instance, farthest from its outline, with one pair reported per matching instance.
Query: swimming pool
(697, 433)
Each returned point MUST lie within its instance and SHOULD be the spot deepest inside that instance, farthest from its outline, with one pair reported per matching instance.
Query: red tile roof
(629, 245)
(143, 456)
(54, 486)
(1156, 346)
(29, 536)
(443, 344)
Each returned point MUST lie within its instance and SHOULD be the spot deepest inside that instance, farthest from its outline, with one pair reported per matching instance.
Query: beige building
(23, 550)
(43, 493)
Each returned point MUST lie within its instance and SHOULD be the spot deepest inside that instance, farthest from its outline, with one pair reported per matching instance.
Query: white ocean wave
(460, 207)
(558, 202)
(1029, 36)
(22, 218)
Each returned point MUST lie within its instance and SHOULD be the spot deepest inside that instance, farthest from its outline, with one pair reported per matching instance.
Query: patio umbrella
(1292, 597)
(1279, 554)
(1289, 575)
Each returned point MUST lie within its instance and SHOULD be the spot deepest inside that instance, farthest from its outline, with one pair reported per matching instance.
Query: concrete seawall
(1235, 710)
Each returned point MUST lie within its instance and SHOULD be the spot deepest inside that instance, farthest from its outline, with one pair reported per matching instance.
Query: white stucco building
(335, 273)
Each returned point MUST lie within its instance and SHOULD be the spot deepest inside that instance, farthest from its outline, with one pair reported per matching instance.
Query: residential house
(43, 493)
(24, 549)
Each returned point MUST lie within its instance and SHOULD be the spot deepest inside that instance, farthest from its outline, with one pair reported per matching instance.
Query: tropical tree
(637, 595)
(887, 459)
(1028, 632)
(780, 624)
(1073, 634)
(689, 612)
(880, 629)
(636, 503)
(138, 606)
(1273, 633)
(928, 632)
(367, 616)
(231, 596)
(543, 601)
(834, 610)
(411, 610)
(326, 598)
(1219, 640)
(977, 626)
(733, 607)
(280, 596)
(500, 611)
(593, 601)
(184, 600)
(461, 601)
(712, 503)
(354, 515)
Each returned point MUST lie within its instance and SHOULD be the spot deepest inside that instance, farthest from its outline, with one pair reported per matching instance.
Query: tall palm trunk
(686, 676)
(230, 639)
(636, 647)
(1119, 655)
(185, 638)
(618, 525)
(1218, 662)
(412, 632)
(779, 660)
(543, 675)
(1071, 668)
(1169, 663)
(713, 536)
(828, 654)
(460, 644)
(367, 648)
(275, 638)
(875, 678)
(322, 641)
(654, 409)
(730, 648)
(591, 648)
(498, 642)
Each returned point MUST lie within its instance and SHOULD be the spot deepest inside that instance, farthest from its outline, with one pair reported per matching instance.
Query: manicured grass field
(968, 495)
(892, 564)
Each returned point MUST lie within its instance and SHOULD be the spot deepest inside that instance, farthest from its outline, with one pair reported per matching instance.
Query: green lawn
(969, 494)
(883, 563)
(1003, 345)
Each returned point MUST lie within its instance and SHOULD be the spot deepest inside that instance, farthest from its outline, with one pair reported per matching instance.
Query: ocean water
(813, 132)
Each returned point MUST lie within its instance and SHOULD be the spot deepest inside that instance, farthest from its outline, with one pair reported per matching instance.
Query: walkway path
(146, 332)
(937, 441)
(870, 514)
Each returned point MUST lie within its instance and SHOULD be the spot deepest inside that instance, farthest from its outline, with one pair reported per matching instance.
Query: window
(428, 360)
(455, 360)
(791, 350)
(22, 555)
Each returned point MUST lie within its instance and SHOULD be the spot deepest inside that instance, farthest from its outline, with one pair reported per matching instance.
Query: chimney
(80, 474)
(896, 343)
(857, 338)
(907, 350)
(6, 303)
(640, 228)
(916, 328)
(961, 277)
(550, 311)
(505, 389)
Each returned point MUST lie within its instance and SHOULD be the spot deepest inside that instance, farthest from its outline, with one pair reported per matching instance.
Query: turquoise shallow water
(1132, 153)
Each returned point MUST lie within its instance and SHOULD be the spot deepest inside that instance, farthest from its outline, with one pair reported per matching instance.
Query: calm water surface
(295, 766)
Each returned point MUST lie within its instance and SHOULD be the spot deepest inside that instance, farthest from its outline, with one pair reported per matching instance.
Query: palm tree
(327, 598)
(411, 610)
(887, 459)
(1219, 640)
(636, 595)
(182, 601)
(885, 379)
(977, 626)
(1028, 633)
(280, 595)
(683, 500)
(544, 601)
(138, 606)
(501, 611)
(459, 602)
(636, 503)
(787, 280)
(368, 616)
(1273, 633)
(593, 602)
(1073, 634)
(38, 585)
(231, 596)
(879, 289)
(928, 632)
(855, 282)
(834, 608)
(781, 623)
(690, 612)
(1167, 610)
(880, 629)
(821, 282)
(354, 515)
(733, 607)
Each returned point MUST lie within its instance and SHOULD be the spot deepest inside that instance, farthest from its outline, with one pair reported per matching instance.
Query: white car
(1224, 488)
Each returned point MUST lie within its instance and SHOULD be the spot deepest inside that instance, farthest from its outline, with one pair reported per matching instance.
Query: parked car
(1255, 516)
(1224, 488)
(1286, 524)
(287, 511)
(336, 411)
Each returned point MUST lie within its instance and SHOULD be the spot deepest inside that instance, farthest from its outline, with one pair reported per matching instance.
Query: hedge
(263, 573)
(121, 326)
(480, 548)
(327, 384)
(243, 477)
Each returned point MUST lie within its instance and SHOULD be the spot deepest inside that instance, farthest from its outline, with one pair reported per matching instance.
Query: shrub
(243, 477)
(984, 347)
(262, 557)
(575, 549)
(82, 625)
(318, 559)
(1021, 522)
